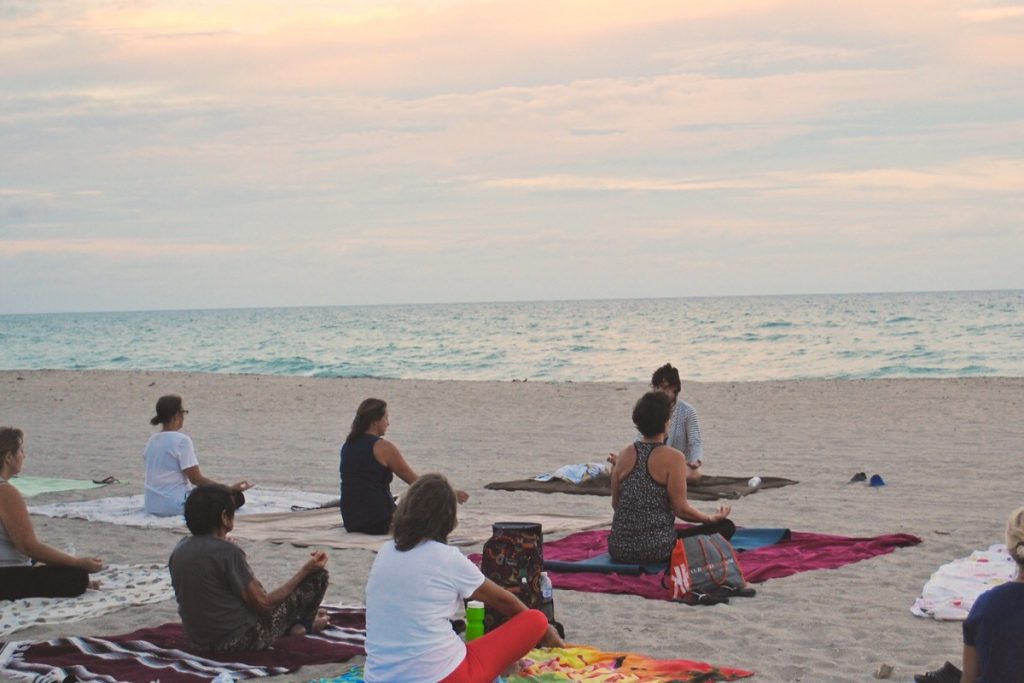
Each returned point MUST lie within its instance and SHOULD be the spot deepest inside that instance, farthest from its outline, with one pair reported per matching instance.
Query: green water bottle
(474, 619)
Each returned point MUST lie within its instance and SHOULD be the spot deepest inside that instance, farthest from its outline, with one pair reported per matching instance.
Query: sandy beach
(949, 450)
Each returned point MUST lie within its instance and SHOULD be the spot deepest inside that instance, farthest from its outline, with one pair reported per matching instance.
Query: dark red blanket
(802, 552)
(160, 653)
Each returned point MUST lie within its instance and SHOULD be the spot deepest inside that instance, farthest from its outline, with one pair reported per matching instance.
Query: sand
(949, 449)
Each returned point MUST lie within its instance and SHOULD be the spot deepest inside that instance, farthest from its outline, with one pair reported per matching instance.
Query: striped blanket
(162, 654)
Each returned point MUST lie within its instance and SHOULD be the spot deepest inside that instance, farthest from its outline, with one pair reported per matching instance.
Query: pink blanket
(802, 552)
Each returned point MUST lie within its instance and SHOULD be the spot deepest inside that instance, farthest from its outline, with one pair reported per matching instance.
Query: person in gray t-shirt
(223, 607)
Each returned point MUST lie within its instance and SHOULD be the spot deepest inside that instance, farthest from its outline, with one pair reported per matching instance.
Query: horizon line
(511, 301)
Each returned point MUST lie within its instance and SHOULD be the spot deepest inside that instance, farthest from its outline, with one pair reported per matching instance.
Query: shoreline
(947, 448)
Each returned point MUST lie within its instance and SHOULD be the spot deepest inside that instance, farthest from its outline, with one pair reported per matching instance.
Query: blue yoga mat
(743, 539)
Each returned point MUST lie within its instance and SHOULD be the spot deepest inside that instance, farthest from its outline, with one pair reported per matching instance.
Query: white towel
(121, 586)
(127, 510)
(951, 591)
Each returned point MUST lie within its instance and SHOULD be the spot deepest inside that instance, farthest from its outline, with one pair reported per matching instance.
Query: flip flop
(744, 592)
(704, 599)
(108, 480)
(876, 480)
(860, 476)
(947, 673)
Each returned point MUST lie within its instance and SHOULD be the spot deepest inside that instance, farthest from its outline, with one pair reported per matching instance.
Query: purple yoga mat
(802, 552)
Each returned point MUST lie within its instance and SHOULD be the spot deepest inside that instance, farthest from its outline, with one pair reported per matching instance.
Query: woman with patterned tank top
(649, 492)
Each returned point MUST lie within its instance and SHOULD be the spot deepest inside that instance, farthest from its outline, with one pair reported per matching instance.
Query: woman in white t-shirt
(172, 468)
(416, 585)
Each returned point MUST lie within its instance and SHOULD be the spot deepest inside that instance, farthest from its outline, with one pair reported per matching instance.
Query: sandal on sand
(744, 592)
(860, 476)
(108, 480)
(704, 599)
(947, 673)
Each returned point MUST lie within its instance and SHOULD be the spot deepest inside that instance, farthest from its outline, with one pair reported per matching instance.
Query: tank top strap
(643, 457)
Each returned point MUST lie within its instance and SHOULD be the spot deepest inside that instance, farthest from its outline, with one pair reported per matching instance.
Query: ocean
(845, 336)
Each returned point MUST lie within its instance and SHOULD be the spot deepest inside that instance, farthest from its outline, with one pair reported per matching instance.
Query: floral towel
(120, 586)
(588, 664)
(553, 665)
(127, 510)
(951, 591)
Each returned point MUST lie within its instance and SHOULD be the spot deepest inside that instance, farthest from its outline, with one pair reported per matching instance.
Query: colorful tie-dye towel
(556, 665)
(553, 665)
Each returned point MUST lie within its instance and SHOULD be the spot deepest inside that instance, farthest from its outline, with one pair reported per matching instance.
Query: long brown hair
(425, 512)
(368, 412)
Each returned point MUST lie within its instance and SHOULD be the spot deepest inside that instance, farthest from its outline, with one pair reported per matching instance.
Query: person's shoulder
(170, 437)
(993, 598)
(9, 492)
(685, 408)
(431, 548)
(666, 452)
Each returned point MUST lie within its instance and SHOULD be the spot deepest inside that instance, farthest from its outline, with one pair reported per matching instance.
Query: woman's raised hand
(317, 560)
(722, 513)
(89, 564)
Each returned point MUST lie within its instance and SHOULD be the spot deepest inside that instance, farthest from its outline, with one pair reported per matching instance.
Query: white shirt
(167, 487)
(410, 596)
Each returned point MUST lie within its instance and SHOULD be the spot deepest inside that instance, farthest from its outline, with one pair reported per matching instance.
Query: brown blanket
(708, 488)
(323, 527)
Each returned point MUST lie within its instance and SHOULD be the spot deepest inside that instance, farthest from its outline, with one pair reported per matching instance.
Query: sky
(169, 154)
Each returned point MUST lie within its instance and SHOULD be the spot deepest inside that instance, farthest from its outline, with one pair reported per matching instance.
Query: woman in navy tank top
(368, 464)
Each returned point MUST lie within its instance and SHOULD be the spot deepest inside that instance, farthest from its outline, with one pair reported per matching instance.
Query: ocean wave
(729, 338)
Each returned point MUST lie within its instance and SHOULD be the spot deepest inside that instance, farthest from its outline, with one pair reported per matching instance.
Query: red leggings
(488, 656)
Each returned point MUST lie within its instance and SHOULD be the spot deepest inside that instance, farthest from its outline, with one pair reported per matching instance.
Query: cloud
(998, 13)
(115, 248)
(984, 176)
(596, 184)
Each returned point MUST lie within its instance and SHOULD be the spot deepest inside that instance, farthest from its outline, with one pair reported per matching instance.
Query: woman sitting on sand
(994, 628)
(415, 586)
(649, 492)
(54, 574)
(223, 607)
(172, 468)
(368, 464)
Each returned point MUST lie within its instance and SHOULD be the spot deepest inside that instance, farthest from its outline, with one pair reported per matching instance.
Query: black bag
(513, 558)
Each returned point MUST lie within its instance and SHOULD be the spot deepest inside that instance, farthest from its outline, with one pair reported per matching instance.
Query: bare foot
(95, 585)
(321, 621)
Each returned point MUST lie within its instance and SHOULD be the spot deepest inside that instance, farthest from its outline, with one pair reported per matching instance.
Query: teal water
(941, 334)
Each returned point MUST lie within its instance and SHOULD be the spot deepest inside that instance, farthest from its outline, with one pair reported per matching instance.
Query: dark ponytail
(166, 408)
(368, 412)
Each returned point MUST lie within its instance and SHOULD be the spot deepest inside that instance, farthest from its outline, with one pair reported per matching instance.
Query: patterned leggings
(300, 605)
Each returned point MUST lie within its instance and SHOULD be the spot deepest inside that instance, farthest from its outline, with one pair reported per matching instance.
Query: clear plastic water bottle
(547, 597)
(474, 619)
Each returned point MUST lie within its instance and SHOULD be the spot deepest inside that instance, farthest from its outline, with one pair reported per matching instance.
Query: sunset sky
(197, 154)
